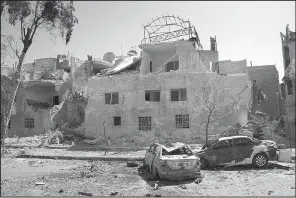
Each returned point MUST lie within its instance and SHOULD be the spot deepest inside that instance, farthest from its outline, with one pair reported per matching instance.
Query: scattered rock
(89, 176)
(39, 183)
(113, 193)
(61, 191)
(84, 193)
(269, 193)
(132, 164)
(183, 186)
(115, 176)
(92, 168)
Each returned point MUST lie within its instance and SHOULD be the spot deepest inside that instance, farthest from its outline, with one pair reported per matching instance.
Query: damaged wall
(207, 56)
(41, 115)
(39, 93)
(268, 79)
(232, 67)
(132, 104)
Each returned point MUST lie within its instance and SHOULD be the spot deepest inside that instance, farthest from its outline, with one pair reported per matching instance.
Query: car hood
(268, 142)
(178, 157)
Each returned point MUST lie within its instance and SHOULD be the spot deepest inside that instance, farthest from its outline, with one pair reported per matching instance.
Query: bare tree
(56, 17)
(209, 102)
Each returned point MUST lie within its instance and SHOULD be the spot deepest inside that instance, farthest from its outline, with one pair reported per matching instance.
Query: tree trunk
(17, 78)
(207, 130)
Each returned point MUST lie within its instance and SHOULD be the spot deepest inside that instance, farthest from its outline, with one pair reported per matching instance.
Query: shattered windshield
(256, 140)
(179, 151)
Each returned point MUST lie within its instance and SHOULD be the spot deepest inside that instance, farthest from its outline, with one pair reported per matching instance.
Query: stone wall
(232, 67)
(207, 56)
(132, 103)
(44, 65)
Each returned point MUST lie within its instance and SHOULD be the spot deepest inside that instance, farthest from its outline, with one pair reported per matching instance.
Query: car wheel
(260, 160)
(204, 163)
(155, 174)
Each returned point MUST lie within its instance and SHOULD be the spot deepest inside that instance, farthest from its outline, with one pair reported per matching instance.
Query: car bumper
(180, 175)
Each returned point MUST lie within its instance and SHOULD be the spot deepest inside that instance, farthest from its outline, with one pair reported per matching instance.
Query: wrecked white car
(174, 162)
(237, 150)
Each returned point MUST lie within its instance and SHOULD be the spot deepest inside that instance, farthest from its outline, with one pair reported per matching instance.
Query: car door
(243, 148)
(153, 155)
(222, 153)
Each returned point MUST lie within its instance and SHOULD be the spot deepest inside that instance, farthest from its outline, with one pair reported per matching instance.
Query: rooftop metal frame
(153, 31)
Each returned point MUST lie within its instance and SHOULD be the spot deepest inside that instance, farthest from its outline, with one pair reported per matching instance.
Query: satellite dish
(109, 56)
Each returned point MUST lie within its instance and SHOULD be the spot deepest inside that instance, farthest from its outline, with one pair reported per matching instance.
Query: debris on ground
(115, 176)
(269, 193)
(148, 195)
(183, 186)
(132, 164)
(84, 193)
(157, 195)
(61, 191)
(39, 183)
(156, 186)
(113, 193)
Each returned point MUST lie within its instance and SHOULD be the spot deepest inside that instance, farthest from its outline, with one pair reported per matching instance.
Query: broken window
(242, 142)
(29, 123)
(182, 121)
(152, 96)
(144, 123)
(111, 98)
(174, 65)
(117, 120)
(178, 95)
(221, 145)
(150, 66)
(290, 87)
(55, 100)
(179, 151)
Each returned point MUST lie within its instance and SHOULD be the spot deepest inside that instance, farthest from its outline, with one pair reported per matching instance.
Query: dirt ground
(68, 177)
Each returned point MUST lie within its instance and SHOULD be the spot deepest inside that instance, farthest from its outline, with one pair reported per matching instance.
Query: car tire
(260, 160)
(204, 164)
(155, 174)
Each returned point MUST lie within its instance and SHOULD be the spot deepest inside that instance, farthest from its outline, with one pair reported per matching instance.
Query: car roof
(171, 146)
(232, 137)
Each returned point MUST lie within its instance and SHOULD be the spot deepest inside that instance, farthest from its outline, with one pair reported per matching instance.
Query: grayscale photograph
(147, 98)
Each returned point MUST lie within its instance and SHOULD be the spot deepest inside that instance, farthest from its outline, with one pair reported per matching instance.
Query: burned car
(176, 161)
(237, 150)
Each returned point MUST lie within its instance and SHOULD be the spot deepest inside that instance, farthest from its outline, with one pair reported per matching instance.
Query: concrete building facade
(160, 97)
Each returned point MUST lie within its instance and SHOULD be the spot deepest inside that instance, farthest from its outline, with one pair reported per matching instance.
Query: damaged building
(155, 92)
(267, 77)
(45, 86)
(288, 85)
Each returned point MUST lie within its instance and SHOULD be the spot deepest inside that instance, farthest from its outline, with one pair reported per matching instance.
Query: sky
(244, 29)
